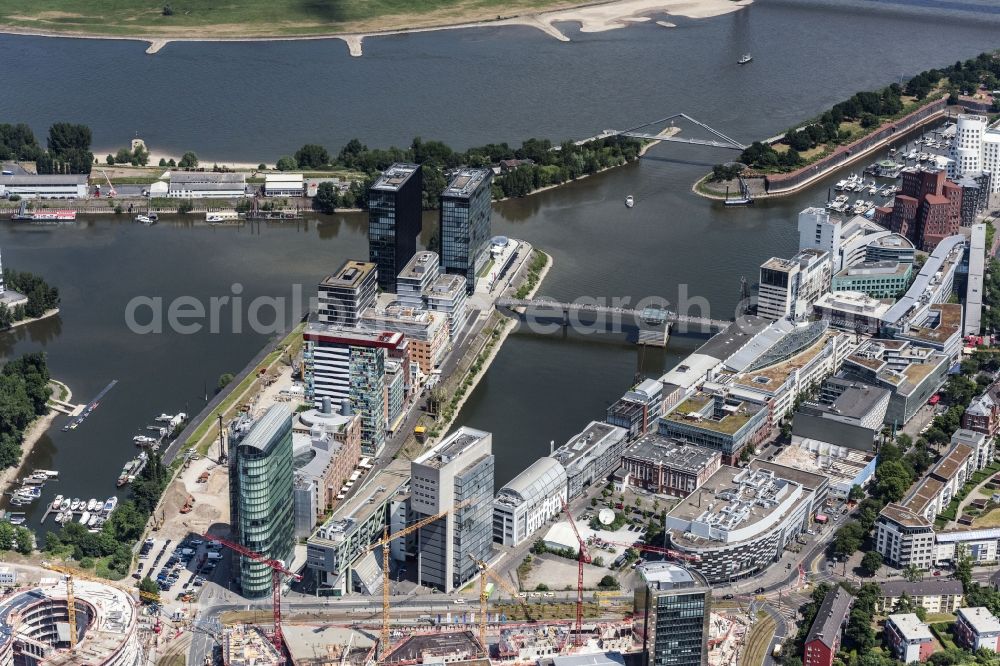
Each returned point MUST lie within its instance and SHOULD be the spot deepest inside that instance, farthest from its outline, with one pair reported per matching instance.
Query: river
(261, 100)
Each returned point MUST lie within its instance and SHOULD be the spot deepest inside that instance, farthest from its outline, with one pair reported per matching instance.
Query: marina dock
(91, 406)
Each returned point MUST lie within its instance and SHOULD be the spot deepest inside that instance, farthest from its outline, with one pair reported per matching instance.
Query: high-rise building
(927, 209)
(416, 277)
(976, 149)
(671, 615)
(789, 287)
(456, 472)
(344, 295)
(394, 220)
(466, 206)
(340, 362)
(261, 503)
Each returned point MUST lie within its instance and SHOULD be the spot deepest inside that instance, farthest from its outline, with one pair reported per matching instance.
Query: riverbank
(484, 357)
(243, 23)
(31, 320)
(770, 186)
(34, 433)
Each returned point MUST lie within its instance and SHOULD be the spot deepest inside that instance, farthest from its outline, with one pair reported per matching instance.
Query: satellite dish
(606, 516)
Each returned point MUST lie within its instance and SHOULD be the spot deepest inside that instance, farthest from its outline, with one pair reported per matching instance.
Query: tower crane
(278, 570)
(582, 558)
(669, 552)
(384, 543)
(72, 573)
(111, 188)
(484, 573)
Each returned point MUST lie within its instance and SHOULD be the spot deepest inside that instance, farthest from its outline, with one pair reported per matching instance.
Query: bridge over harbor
(641, 132)
(651, 325)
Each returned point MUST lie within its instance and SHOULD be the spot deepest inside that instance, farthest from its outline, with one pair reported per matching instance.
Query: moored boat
(57, 502)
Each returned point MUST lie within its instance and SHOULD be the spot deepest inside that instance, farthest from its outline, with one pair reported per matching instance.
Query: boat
(57, 502)
(143, 440)
(110, 505)
(170, 417)
(629, 201)
(66, 503)
(93, 520)
(60, 517)
(17, 517)
(52, 216)
(143, 219)
(84, 517)
(222, 216)
(75, 504)
(50, 473)
(840, 185)
(91, 504)
(744, 59)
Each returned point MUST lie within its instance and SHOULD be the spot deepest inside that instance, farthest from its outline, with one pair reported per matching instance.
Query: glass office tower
(394, 220)
(466, 206)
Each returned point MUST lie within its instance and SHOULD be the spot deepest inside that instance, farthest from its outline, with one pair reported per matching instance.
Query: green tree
(609, 582)
(163, 162)
(312, 156)
(123, 156)
(856, 493)
(871, 562)
(541, 587)
(325, 200)
(963, 567)
(224, 380)
(188, 161)
(286, 163)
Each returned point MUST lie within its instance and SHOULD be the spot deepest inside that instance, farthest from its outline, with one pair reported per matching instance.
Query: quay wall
(787, 183)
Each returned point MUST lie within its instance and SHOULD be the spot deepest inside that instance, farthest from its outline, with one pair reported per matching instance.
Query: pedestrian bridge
(616, 319)
(642, 132)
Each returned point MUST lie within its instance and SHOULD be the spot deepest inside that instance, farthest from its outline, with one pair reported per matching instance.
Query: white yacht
(629, 201)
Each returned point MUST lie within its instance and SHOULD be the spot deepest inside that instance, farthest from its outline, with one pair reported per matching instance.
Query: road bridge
(652, 324)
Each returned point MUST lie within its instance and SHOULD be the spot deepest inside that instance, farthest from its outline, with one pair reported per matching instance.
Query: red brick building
(823, 640)
(927, 209)
(983, 413)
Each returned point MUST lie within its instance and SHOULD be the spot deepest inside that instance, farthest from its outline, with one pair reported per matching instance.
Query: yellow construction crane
(484, 573)
(384, 543)
(72, 573)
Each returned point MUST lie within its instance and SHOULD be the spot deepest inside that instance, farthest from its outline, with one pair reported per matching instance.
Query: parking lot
(180, 568)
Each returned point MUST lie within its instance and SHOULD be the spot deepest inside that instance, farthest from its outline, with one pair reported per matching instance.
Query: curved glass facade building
(260, 496)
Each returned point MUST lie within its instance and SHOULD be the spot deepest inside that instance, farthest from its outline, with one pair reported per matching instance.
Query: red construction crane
(673, 554)
(278, 570)
(583, 558)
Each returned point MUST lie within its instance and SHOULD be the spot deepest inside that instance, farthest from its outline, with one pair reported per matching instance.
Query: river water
(258, 101)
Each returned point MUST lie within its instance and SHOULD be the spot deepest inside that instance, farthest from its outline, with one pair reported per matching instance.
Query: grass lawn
(254, 18)
(991, 519)
(757, 641)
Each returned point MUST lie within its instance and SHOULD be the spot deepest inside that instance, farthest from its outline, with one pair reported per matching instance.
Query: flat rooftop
(418, 648)
(665, 576)
(395, 177)
(43, 179)
(451, 447)
(733, 499)
(881, 268)
(202, 177)
(735, 416)
(446, 287)
(853, 302)
(729, 341)
(980, 619)
(941, 322)
(350, 275)
(583, 443)
(660, 450)
(371, 497)
(910, 626)
(419, 265)
(336, 333)
(772, 377)
(838, 469)
(464, 182)
(904, 516)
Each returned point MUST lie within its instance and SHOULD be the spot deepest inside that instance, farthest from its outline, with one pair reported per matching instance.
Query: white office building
(528, 500)
(416, 278)
(206, 185)
(44, 186)
(976, 148)
(789, 287)
(284, 185)
(455, 476)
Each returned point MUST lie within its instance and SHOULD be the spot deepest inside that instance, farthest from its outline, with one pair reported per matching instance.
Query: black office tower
(466, 205)
(394, 221)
